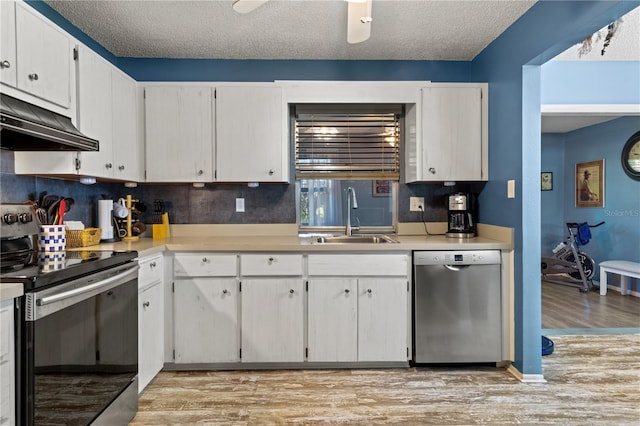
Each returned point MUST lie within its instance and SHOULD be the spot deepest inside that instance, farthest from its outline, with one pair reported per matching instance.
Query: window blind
(357, 142)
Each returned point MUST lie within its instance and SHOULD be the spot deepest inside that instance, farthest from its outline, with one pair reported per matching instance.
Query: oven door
(81, 341)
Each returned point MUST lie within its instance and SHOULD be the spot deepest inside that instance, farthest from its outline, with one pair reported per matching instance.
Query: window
(347, 146)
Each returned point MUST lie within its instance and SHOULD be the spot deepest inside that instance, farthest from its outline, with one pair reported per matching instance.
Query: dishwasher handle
(456, 268)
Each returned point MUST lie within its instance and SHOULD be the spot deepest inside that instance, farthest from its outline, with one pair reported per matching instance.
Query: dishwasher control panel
(463, 257)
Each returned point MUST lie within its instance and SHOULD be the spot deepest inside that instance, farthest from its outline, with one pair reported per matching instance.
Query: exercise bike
(569, 262)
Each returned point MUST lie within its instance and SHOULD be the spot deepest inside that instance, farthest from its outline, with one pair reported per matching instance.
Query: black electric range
(41, 271)
(86, 300)
(21, 262)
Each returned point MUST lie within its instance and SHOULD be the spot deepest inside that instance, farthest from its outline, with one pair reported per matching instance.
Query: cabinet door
(206, 320)
(179, 134)
(151, 334)
(249, 135)
(382, 319)
(7, 364)
(452, 133)
(272, 320)
(8, 43)
(125, 127)
(332, 320)
(95, 112)
(44, 58)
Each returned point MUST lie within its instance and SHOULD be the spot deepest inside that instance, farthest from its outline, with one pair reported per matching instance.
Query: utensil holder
(52, 238)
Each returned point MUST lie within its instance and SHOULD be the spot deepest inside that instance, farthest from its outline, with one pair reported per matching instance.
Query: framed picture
(381, 188)
(590, 184)
(546, 181)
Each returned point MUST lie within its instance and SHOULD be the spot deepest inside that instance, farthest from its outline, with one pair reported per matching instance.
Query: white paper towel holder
(105, 220)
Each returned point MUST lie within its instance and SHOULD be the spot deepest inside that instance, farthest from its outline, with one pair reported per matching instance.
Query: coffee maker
(462, 216)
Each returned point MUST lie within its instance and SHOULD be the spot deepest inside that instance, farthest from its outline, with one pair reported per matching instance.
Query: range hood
(27, 127)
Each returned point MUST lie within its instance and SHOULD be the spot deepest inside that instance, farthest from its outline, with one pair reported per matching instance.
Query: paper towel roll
(105, 213)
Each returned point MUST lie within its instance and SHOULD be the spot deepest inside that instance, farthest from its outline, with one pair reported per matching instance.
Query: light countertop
(10, 291)
(494, 239)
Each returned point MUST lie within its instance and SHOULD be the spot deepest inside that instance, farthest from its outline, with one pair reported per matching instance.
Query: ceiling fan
(358, 17)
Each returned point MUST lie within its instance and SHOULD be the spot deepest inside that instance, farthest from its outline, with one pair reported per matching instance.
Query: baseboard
(525, 378)
(618, 289)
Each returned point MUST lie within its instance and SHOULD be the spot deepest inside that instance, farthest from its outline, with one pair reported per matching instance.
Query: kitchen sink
(355, 239)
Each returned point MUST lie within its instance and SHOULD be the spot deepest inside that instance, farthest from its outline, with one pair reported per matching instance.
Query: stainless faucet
(350, 193)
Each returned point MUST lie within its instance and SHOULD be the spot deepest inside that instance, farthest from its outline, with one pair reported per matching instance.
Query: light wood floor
(591, 380)
(566, 307)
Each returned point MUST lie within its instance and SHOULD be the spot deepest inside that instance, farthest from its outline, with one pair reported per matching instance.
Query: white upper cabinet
(125, 127)
(43, 57)
(95, 112)
(8, 43)
(453, 145)
(107, 112)
(179, 134)
(250, 143)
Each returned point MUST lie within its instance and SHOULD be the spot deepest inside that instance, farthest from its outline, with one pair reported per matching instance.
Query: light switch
(511, 188)
(240, 205)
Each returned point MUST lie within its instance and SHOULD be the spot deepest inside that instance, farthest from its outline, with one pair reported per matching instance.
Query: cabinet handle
(271, 259)
(346, 290)
(369, 291)
(121, 167)
(152, 264)
(432, 170)
(5, 64)
(108, 165)
(205, 260)
(200, 172)
(292, 291)
(145, 304)
(271, 172)
(225, 291)
(33, 77)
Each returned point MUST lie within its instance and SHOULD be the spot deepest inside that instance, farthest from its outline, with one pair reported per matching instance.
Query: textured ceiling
(292, 29)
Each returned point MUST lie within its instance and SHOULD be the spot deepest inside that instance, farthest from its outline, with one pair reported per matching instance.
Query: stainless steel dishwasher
(457, 307)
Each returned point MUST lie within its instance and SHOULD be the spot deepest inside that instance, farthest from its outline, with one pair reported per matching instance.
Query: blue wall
(552, 202)
(511, 66)
(618, 238)
(591, 82)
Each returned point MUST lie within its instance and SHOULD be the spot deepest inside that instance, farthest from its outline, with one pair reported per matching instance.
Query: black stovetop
(47, 269)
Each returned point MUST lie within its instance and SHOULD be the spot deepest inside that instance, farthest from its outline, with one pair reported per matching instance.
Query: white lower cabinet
(7, 364)
(272, 320)
(206, 320)
(332, 320)
(253, 308)
(361, 319)
(205, 308)
(355, 317)
(150, 319)
(382, 319)
(150, 339)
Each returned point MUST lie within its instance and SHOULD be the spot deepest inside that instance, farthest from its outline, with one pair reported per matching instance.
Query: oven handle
(130, 274)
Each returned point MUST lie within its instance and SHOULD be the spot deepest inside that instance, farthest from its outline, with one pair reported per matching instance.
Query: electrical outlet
(239, 205)
(415, 203)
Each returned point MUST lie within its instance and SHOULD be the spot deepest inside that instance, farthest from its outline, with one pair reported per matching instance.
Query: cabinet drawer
(150, 271)
(205, 265)
(271, 264)
(359, 265)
